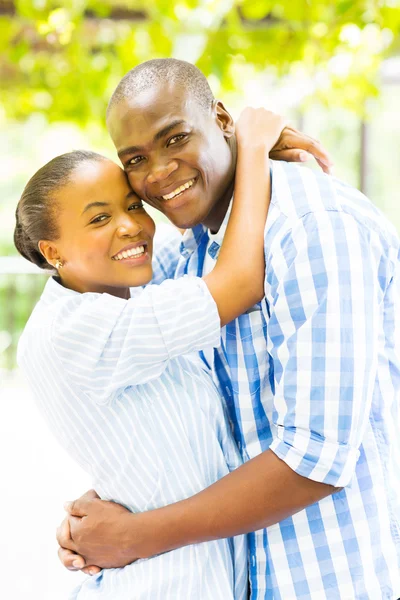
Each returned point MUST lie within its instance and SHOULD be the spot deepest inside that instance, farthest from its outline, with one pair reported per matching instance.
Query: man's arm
(107, 535)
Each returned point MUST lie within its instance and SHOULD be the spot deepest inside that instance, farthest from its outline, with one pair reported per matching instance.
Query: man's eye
(136, 206)
(176, 138)
(135, 160)
(99, 219)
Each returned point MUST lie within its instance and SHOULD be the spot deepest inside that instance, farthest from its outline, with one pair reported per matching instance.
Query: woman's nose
(129, 226)
(160, 172)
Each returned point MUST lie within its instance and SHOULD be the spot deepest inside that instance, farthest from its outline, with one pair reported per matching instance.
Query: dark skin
(163, 140)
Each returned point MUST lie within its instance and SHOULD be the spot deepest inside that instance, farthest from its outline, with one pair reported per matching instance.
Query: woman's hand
(290, 144)
(258, 128)
(295, 146)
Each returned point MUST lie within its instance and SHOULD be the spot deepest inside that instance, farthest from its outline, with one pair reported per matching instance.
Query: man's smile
(179, 189)
(178, 196)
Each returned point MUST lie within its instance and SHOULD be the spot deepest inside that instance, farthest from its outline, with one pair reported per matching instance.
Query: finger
(328, 169)
(294, 155)
(79, 507)
(298, 156)
(71, 560)
(299, 141)
(75, 524)
(91, 570)
(63, 535)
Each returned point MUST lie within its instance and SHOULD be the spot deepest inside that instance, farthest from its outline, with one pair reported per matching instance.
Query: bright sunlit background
(333, 68)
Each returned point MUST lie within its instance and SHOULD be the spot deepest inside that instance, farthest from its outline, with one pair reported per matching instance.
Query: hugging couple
(233, 390)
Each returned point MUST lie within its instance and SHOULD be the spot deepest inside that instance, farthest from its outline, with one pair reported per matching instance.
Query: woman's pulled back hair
(35, 215)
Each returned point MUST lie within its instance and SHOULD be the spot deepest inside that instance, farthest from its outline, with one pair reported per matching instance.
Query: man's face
(176, 157)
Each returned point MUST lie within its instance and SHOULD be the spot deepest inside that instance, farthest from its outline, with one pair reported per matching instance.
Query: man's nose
(160, 172)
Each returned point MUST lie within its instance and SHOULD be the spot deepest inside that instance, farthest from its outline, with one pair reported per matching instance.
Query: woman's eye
(99, 219)
(176, 138)
(136, 206)
(135, 160)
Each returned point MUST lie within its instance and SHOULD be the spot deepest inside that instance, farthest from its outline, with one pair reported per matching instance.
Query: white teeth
(129, 253)
(179, 190)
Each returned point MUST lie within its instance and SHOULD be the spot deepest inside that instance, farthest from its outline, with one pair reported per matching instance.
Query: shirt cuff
(327, 462)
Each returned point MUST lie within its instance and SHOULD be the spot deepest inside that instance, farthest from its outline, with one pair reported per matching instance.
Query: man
(310, 376)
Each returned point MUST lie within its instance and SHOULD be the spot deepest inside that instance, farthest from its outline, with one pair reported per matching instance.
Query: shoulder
(302, 200)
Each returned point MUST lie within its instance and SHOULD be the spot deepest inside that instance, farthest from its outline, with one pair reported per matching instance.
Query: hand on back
(288, 143)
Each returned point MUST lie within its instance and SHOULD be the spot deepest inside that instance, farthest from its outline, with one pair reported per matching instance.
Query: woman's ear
(224, 119)
(49, 251)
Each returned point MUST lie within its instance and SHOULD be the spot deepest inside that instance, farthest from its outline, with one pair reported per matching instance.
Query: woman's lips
(135, 261)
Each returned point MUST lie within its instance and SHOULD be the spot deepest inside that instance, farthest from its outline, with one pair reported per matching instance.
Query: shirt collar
(192, 238)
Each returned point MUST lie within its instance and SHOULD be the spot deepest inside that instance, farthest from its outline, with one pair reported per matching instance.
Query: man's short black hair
(153, 72)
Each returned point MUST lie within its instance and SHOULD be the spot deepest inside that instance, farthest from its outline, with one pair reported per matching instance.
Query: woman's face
(105, 235)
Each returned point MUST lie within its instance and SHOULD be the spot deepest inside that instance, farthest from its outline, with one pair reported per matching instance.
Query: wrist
(251, 147)
(145, 534)
(161, 530)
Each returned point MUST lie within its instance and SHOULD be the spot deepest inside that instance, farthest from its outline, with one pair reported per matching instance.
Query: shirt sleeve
(166, 252)
(106, 344)
(324, 292)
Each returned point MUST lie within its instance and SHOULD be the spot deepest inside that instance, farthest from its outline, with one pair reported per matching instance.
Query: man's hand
(70, 559)
(95, 535)
(294, 146)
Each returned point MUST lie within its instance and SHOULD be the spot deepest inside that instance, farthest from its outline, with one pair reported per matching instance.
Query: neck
(214, 219)
(81, 287)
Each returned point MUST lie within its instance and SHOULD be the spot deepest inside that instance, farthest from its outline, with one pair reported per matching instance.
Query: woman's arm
(237, 281)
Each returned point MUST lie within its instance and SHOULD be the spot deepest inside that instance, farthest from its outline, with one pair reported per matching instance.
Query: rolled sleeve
(322, 287)
(107, 344)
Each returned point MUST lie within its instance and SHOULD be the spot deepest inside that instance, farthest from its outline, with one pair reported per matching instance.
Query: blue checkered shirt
(313, 373)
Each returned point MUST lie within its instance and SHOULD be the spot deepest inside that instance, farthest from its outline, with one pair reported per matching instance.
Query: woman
(111, 367)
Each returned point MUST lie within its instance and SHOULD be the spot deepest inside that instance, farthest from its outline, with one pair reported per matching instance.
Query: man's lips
(177, 201)
(131, 250)
(174, 188)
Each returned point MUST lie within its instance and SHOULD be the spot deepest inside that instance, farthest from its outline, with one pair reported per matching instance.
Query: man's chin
(186, 217)
(183, 221)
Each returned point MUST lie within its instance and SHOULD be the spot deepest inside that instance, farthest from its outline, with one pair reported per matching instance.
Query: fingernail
(76, 564)
(67, 505)
(92, 572)
(303, 156)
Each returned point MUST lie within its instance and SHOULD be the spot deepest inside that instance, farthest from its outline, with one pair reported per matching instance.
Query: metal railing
(21, 285)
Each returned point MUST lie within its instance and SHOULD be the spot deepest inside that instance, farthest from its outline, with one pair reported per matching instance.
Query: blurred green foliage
(66, 60)
(60, 62)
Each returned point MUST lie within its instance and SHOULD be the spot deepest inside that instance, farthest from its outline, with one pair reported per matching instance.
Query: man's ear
(49, 251)
(224, 119)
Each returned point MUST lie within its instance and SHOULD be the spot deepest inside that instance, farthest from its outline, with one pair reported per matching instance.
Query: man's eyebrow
(160, 134)
(93, 204)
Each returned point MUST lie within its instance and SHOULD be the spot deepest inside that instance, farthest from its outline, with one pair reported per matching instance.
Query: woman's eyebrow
(92, 204)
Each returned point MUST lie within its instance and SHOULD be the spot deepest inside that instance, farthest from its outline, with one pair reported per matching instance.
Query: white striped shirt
(147, 423)
(313, 373)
